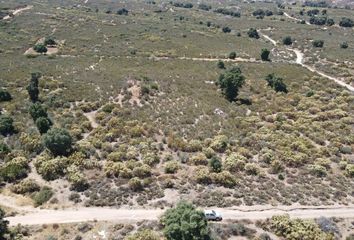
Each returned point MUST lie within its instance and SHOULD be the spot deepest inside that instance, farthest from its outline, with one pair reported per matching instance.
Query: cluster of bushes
(204, 7)
(123, 11)
(14, 169)
(6, 125)
(40, 117)
(252, 33)
(287, 40)
(260, 13)
(321, 21)
(346, 22)
(276, 83)
(284, 226)
(320, 4)
(182, 5)
(42, 47)
(227, 12)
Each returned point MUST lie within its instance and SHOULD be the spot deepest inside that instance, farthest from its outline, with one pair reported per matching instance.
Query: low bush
(42, 196)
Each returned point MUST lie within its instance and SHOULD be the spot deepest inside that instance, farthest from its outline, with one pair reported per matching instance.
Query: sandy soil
(38, 217)
(18, 11)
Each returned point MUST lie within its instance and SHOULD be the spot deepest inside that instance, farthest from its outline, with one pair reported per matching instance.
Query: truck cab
(212, 215)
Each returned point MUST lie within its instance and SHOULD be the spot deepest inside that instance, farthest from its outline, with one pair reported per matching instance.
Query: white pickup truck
(212, 215)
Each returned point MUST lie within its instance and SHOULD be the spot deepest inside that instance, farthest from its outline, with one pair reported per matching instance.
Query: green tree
(232, 55)
(36, 111)
(318, 43)
(221, 64)
(5, 96)
(215, 164)
(287, 40)
(49, 41)
(3, 225)
(43, 124)
(346, 22)
(252, 33)
(58, 141)
(230, 83)
(6, 125)
(184, 222)
(344, 45)
(40, 48)
(32, 88)
(265, 54)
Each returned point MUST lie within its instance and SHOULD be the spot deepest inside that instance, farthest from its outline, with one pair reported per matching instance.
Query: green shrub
(224, 178)
(25, 186)
(219, 143)
(142, 171)
(3, 225)
(287, 40)
(36, 111)
(171, 167)
(265, 54)
(288, 228)
(14, 169)
(43, 124)
(232, 55)
(49, 41)
(185, 222)
(146, 234)
(215, 164)
(234, 162)
(221, 64)
(77, 179)
(135, 184)
(252, 169)
(5, 96)
(6, 125)
(51, 168)
(4, 150)
(318, 43)
(252, 33)
(58, 141)
(276, 83)
(317, 170)
(40, 48)
(349, 169)
(344, 45)
(199, 159)
(42, 196)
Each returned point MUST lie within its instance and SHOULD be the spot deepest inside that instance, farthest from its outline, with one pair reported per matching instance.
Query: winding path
(18, 11)
(300, 60)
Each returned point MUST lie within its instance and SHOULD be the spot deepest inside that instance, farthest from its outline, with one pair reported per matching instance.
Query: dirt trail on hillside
(133, 215)
(18, 11)
(294, 18)
(300, 60)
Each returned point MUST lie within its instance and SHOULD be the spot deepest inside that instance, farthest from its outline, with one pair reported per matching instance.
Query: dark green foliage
(123, 11)
(313, 12)
(4, 149)
(226, 29)
(36, 111)
(276, 83)
(14, 170)
(344, 45)
(182, 5)
(227, 12)
(5, 96)
(330, 22)
(230, 82)
(40, 48)
(287, 40)
(58, 141)
(232, 55)
(184, 222)
(3, 225)
(252, 33)
(215, 164)
(6, 125)
(311, 3)
(346, 22)
(43, 124)
(265, 54)
(32, 88)
(49, 41)
(318, 43)
(204, 7)
(221, 65)
(42, 196)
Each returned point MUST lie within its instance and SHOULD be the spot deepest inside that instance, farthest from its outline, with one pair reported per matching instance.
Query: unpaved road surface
(39, 217)
(18, 11)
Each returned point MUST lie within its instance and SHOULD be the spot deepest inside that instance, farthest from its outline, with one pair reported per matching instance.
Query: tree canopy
(58, 141)
(184, 222)
(230, 82)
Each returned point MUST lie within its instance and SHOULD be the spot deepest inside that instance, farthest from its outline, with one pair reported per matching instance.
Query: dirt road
(18, 11)
(39, 217)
